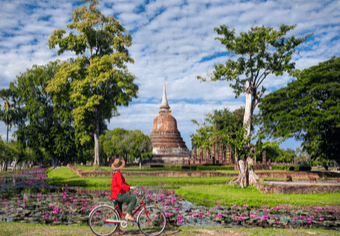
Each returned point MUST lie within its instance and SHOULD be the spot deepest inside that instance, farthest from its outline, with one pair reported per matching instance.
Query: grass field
(230, 194)
(64, 175)
(14, 228)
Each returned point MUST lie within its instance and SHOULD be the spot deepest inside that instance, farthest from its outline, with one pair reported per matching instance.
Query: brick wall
(298, 189)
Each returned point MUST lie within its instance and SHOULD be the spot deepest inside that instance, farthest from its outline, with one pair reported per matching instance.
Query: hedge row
(195, 167)
(291, 167)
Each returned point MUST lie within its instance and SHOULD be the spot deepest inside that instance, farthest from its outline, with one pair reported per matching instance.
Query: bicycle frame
(141, 204)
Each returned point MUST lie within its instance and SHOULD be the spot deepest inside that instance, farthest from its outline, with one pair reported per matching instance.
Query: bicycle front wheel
(99, 220)
(152, 222)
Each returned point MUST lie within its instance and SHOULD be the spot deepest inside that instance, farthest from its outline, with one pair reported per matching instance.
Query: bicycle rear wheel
(152, 224)
(101, 226)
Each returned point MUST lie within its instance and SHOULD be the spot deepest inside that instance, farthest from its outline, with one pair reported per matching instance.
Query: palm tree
(7, 115)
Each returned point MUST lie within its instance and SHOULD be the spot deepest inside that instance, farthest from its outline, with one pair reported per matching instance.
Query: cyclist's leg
(132, 202)
(120, 201)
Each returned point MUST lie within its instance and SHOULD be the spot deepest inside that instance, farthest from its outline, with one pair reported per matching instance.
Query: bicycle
(104, 219)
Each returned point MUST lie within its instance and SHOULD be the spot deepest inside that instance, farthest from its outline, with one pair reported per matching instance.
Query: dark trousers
(123, 197)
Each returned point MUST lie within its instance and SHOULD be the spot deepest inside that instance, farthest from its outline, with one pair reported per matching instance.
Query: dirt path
(24, 229)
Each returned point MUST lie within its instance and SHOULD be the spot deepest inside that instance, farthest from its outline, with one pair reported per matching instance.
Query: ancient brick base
(298, 189)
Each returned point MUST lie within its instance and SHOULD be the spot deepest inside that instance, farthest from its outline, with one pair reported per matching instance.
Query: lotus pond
(26, 197)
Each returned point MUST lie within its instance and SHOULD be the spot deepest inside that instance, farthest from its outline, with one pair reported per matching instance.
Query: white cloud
(170, 41)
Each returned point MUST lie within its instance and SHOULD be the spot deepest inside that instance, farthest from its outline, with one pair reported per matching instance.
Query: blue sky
(172, 41)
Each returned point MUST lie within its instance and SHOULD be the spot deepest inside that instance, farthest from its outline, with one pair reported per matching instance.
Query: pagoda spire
(164, 104)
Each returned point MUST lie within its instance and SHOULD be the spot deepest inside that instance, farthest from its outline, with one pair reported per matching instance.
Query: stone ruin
(168, 145)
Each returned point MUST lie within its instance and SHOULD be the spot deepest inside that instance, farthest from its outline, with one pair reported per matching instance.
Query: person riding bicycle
(119, 189)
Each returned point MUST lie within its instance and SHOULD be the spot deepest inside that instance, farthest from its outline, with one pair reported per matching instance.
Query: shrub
(305, 168)
(215, 168)
(173, 166)
(188, 167)
(157, 166)
(285, 167)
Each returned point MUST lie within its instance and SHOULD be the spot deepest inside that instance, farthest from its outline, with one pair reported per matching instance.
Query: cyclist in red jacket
(119, 189)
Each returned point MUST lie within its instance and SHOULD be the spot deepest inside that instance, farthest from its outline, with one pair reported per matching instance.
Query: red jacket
(118, 185)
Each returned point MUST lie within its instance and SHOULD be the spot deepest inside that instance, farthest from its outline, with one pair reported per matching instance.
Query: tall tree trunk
(245, 164)
(96, 137)
(6, 165)
(7, 133)
(15, 164)
(248, 109)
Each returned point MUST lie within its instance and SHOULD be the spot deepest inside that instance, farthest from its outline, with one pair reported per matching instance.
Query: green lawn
(17, 228)
(230, 194)
(64, 175)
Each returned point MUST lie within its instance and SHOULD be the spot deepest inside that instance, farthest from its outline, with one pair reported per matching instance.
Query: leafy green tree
(141, 144)
(307, 109)
(255, 45)
(101, 82)
(49, 129)
(218, 127)
(9, 113)
(111, 141)
(131, 143)
(304, 158)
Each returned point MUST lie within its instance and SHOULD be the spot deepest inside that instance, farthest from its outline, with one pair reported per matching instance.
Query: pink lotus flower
(321, 219)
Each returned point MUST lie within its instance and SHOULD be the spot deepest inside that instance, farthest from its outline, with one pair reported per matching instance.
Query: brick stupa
(168, 145)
